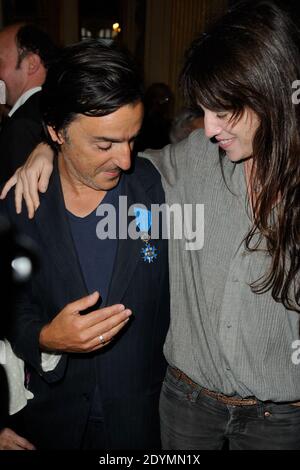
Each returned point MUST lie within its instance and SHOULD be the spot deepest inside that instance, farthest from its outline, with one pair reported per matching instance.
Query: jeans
(191, 420)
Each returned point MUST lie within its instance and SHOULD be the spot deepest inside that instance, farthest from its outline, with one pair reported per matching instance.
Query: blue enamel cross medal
(143, 222)
(149, 252)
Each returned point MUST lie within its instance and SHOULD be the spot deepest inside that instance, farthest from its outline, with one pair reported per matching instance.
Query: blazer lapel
(52, 224)
(129, 250)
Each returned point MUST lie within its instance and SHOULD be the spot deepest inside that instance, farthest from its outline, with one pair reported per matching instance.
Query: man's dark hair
(89, 78)
(29, 38)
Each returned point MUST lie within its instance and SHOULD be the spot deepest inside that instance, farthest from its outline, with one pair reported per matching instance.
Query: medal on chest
(143, 221)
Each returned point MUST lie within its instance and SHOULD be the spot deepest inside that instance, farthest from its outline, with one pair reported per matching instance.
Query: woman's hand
(31, 178)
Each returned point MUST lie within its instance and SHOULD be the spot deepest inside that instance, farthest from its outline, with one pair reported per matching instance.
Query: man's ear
(33, 63)
(55, 136)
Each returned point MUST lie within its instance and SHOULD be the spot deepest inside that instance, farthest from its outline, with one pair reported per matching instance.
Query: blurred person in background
(157, 119)
(185, 122)
(15, 253)
(25, 55)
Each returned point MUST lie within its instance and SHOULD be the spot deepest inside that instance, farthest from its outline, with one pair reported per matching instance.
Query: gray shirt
(222, 335)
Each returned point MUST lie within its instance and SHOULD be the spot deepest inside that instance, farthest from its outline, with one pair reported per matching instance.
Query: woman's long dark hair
(251, 58)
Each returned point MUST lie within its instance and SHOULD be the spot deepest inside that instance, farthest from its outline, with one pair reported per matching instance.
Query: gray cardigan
(222, 335)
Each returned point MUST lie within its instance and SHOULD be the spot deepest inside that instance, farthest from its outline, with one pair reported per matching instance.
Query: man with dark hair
(25, 54)
(96, 393)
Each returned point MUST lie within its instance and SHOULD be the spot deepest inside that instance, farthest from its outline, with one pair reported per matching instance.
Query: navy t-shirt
(96, 257)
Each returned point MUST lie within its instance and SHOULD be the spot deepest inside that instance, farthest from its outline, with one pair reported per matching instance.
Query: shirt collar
(23, 98)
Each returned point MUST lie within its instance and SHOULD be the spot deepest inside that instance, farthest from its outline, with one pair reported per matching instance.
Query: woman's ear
(55, 136)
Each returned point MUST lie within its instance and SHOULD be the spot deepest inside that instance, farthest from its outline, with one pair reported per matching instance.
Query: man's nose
(124, 156)
(212, 125)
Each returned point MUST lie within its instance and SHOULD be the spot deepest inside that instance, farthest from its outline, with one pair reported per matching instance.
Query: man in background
(25, 55)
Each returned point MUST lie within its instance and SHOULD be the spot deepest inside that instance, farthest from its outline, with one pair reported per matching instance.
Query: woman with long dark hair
(233, 345)
(239, 378)
(245, 69)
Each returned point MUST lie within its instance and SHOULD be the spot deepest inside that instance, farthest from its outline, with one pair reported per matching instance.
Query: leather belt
(218, 396)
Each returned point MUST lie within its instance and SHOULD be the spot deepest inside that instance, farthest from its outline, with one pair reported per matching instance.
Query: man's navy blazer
(20, 135)
(130, 370)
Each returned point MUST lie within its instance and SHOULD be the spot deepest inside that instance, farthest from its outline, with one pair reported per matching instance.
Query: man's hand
(31, 178)
(9, 440)
(71, 332)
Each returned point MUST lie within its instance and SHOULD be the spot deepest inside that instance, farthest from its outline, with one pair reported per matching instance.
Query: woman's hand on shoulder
(31, 178)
